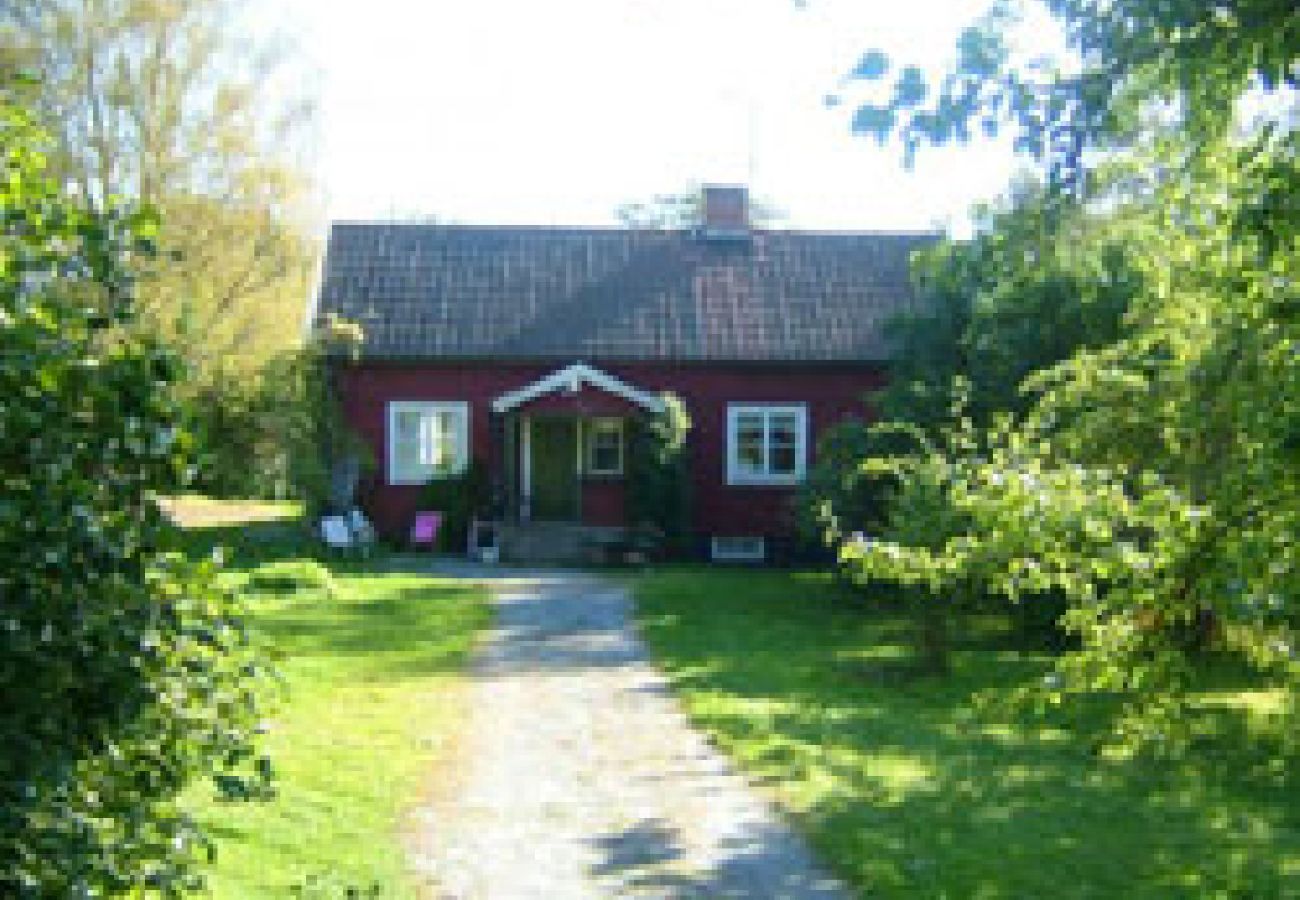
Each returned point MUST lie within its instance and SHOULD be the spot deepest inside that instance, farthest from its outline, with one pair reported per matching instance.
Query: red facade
(830, 393)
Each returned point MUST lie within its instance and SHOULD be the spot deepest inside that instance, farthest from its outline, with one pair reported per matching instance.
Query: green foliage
(277, 432)
(1153, 484)
(659, 474)
(1043, 277)
(460, 498)
(125, 670)
(918, 518)
(1141, 65)
(841, 495)
(163, 104)
(1147, 351)
(682, 210)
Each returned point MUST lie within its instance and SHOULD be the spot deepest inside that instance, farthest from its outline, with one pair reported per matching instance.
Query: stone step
(557, 543)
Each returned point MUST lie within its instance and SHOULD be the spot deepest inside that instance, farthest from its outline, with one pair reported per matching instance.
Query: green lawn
(370, 662)
(905, 792)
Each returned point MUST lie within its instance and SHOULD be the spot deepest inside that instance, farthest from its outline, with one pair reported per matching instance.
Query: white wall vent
(739, 549)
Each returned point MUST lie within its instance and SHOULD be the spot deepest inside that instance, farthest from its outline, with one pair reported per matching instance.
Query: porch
(561, 448)
(564, 468)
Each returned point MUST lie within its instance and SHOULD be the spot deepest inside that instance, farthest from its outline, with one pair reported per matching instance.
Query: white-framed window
(738, 548)
(603, 454)
(767, 443)
(426, 439)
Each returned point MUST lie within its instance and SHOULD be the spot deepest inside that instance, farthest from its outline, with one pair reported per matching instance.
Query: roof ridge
(615, 229)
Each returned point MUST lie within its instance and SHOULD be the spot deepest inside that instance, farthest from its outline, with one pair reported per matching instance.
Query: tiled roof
(427, 291)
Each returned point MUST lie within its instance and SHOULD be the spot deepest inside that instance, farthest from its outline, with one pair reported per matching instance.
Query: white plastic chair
(363, 533)
(336, 534)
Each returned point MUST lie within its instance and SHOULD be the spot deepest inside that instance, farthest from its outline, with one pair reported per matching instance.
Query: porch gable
(571, 379)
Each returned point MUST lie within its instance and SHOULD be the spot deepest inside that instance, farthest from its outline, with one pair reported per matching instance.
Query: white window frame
(739, 476)
(738, 548)
(587, 436)
(459, 408)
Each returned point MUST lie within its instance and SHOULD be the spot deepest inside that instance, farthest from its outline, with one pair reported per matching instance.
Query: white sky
(557, 111)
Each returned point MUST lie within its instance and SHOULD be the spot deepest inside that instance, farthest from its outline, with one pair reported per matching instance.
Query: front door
(553, 447)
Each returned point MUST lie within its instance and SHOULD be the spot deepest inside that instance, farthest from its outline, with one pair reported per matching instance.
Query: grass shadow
(909, 790)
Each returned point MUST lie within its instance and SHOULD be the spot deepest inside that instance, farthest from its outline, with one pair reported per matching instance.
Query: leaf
(910, 89)
(876, 121)
(871, 67)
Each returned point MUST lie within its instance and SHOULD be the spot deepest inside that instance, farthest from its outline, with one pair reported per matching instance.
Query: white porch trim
(526, 486)
(571, 378)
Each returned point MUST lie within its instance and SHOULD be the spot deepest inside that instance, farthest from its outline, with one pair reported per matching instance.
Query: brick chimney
(724, 212)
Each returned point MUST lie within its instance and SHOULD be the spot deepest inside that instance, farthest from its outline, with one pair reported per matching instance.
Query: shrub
(658, 476)
(277, 432)
(125, 671)
(460, 498)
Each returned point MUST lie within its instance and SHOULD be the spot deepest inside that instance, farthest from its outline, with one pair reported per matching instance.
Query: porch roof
(569, 384)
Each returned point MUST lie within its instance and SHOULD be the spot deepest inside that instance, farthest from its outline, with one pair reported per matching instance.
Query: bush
(841, 496)
(275, 433)
(125, 670)
(658, 476)
(460, 498)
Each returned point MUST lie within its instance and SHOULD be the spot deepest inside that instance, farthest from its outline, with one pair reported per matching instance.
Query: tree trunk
(932, 635)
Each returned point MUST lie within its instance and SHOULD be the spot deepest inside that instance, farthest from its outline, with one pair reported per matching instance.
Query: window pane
(428, 439)
(605, 459)
(783, 443)
(406, 444)
(406, 459)
(407, 424)
(784, 429)
(749, 425)
(783, 460)
(443, 452)
(605, 447)
(749, 453)
(749, 442)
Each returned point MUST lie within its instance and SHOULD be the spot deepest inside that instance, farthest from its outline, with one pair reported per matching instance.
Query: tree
(683, 210)
(125, 670)
(1139, 66)
(1042, 278)
(166, 104)
(916, 517)
(1152, 477)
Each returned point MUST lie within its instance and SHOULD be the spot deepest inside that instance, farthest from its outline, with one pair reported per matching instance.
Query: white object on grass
(334, 531)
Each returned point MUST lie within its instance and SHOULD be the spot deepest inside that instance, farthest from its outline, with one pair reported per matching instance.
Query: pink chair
(425, 528)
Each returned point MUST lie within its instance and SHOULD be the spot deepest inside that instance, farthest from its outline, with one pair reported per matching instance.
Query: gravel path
(580, 778)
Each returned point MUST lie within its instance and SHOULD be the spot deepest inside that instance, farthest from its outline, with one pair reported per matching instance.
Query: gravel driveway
(579, 777)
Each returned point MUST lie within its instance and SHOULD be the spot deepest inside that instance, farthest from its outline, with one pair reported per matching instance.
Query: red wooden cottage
(532, 348)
